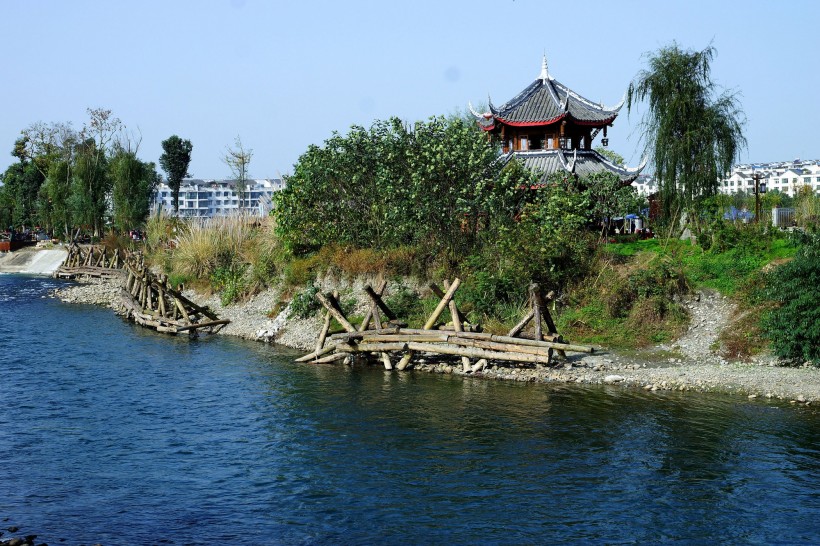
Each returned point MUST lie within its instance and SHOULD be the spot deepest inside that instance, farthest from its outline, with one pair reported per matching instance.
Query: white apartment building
(207, 198)
(787, 177)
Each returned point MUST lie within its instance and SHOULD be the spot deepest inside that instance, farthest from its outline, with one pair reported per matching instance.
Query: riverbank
(689, 364)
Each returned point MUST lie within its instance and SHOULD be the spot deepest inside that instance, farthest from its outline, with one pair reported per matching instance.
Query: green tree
(90, 186)
(691, 133)
(237, 159)
(434, 183)
(133, 184)
(56, 191)
(174, 161)
(21, 185)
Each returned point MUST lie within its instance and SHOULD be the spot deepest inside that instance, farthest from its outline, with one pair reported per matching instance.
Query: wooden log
(366, 321)
(521, 325)
(203, 325)
(432, 337)
(386, 361)
(479, 365)
(372, 347)
(350, 336)
(456, 316)
(323, 351)
(332, 306)
(544, 312)
(475, 352)
(440, 294)
(377, 300)
(432, 319)
(182, 310)
(535, 300)
(506, 339)
(323, 334)
(498, 346)
(331, 358)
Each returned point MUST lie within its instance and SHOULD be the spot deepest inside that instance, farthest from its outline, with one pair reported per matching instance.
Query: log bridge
(95, 261)
(146, 298)
(150, 301)
(391, 339)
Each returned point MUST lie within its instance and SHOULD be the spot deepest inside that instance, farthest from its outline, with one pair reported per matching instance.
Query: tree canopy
(174, 161)
(692, 133)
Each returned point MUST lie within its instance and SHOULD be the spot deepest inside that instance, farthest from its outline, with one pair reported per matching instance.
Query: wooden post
(405, 360)
(366, 322)
(521, 325)
(333, 307)
(535, 299)
(456, 316)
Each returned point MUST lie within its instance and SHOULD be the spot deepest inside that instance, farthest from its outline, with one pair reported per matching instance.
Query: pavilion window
(523, 143)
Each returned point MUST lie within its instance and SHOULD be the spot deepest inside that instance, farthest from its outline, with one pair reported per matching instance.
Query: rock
(801, 398)
(15, 541)
(613, 379)
(752, 396)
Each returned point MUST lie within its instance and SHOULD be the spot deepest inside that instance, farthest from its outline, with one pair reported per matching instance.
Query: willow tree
(692, 132)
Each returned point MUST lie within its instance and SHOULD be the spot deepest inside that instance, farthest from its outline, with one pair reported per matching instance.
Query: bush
(230, 282)
(304, 304)
(793, 327)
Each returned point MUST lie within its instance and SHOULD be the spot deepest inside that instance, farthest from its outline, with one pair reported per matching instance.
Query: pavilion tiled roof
(547, 101)
(579, 162)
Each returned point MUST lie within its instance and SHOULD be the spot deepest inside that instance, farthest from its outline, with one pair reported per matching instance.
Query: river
(116, 435)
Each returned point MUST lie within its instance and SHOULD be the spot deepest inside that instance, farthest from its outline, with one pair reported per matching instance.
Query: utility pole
(759, 188)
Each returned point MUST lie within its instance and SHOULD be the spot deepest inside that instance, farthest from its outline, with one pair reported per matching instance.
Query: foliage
(304, 304)
(238, 159)
(404, 302)
(133, 184)
(807, 208)
(21, 186)
(793, 327)
(205, 245)
(175, 158)
(392, 185)
(230, 282)
(692, 135)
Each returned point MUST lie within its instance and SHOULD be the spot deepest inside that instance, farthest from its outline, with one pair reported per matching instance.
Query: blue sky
(284, 75)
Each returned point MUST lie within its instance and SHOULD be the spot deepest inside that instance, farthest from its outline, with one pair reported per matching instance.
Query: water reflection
(130, 436)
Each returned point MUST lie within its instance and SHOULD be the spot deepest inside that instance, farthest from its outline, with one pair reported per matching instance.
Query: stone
(613, 379)
(801, 398)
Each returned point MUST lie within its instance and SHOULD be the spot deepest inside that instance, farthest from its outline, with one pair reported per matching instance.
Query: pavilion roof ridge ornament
(545, 73)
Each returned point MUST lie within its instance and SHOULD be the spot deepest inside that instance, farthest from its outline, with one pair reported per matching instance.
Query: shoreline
(688, 364)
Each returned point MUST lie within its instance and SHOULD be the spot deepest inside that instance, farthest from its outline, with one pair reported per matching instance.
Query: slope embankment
(33, 261)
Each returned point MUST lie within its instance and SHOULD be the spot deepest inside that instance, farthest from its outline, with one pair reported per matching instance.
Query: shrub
(230, 282)
(404, 302)
(793, 327)
(304, 304)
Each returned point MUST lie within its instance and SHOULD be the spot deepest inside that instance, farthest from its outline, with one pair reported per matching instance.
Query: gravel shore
(688, 364)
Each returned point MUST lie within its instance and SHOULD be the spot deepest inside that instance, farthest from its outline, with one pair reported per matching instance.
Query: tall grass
(205, 245)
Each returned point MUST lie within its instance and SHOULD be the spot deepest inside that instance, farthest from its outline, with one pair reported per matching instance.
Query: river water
(112, 434)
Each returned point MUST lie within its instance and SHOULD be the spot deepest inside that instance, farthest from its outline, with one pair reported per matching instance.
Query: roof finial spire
(544, 72)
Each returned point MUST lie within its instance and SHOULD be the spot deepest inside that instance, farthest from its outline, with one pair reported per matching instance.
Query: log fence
(461, 340)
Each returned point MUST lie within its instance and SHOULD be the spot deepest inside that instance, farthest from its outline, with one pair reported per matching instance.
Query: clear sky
(284, 75)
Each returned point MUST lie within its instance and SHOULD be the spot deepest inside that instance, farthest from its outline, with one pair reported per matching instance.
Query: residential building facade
(788, 177)
(207, 198)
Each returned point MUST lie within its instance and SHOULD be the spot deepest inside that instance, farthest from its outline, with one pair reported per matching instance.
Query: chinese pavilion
(551, 128)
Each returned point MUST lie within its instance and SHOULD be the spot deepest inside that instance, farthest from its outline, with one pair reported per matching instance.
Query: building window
(523, 143)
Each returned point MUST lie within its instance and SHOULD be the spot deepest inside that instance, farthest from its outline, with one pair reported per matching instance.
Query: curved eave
(596, 122)
(531, 123)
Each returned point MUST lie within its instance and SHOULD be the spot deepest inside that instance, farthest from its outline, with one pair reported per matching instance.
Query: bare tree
(238, 159)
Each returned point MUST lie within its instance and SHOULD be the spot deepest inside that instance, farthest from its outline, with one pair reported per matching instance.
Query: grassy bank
(625, 295)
